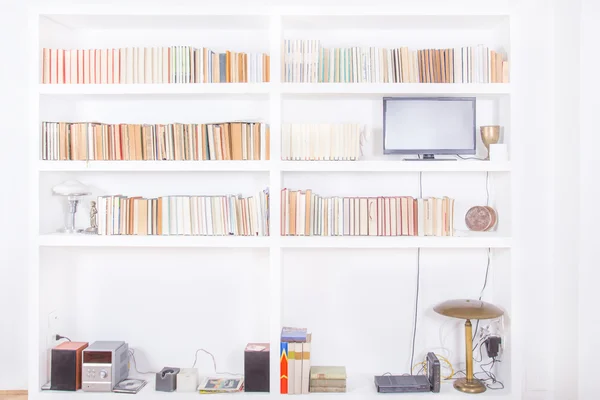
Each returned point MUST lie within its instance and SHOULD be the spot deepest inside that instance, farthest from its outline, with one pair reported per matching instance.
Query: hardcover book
(283, 369)
(289, 334)
(327, 373)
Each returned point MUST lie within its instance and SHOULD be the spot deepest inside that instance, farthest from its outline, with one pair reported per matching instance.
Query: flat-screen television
(429, 125)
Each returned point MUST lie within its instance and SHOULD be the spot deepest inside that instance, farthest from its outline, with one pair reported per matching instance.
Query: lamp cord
(416, 314)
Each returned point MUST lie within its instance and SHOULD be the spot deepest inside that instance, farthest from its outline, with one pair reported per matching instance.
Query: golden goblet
(490, 135)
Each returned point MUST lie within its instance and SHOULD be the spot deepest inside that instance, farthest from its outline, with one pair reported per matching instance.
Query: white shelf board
(395, 166)
(154, 88)
(153, 166)
(65, 240)
(395, 242)
(392, 89)
(360, 387)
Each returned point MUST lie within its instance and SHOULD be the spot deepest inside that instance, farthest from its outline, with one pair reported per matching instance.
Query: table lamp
(73, 191)
(468, 309)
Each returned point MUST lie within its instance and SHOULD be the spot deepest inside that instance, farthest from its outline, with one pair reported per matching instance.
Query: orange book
(292, 210)
(307, 231)
(268, 143)
(62, 140)
(268, 67)
(227, 135)
(493, 65)
(236, 140)
(282, 212)
(256, 134)
(143, 217)
(228, 66)
(159, 226)
(203, 141)
(499, 59)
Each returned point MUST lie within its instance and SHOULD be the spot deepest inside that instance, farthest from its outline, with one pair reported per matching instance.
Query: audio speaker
(65, 366)
(256, 367)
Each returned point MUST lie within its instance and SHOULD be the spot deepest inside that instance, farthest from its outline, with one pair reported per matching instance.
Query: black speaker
(256, 367)
(65, 366)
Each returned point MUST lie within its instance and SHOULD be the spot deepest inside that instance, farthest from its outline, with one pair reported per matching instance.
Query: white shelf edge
(285, 88)
(397, 88)
(395, 166)
(154, 88)
(63, 240)
(266, 166)
(154, 166)
(356, 242)
(398, 242)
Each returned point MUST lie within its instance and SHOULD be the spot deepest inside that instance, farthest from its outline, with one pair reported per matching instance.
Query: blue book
(222, 67)
(293, 334)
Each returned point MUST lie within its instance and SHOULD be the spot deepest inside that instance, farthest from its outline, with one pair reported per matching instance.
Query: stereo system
(104, 365)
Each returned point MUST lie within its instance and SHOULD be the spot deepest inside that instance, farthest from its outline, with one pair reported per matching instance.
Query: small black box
(256, 367)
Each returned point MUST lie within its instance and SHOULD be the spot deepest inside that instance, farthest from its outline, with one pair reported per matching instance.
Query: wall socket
(55, 327)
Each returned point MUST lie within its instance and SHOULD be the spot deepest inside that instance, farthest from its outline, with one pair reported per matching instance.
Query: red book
(283, 368)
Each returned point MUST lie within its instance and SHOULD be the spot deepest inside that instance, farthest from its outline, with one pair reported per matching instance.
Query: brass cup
(490, 135)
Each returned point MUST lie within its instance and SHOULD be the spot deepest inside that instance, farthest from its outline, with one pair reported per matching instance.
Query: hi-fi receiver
(104, 365)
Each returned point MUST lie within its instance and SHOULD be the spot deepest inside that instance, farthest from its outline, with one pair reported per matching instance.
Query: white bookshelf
(286, 271)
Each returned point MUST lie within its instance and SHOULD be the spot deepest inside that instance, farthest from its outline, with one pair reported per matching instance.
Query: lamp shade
(71, 188)
(468, 309)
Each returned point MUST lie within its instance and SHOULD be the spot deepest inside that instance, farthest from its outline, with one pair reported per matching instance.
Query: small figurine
(93, 218)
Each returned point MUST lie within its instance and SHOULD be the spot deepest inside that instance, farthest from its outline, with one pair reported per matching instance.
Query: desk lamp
(468, 309)
(73, 191)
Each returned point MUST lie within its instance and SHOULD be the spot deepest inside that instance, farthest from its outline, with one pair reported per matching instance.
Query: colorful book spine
(298, 368)
(292, 367)
(306, 364)
(283, 369)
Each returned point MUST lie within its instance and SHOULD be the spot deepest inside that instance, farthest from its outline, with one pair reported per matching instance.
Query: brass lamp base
(469, 386)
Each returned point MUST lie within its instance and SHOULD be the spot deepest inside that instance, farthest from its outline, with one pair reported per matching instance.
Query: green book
(327, 373)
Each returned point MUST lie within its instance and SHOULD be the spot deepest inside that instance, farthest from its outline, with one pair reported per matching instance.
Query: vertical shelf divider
(275, 181)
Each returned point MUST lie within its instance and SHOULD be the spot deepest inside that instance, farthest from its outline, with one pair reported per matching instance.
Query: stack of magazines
(222, 385)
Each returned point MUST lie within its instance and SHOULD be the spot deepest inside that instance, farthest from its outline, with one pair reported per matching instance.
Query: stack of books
(327, 379)
(175, 64)
(308, 61)
(295, 361)
(304, 213)
(176, 141)
(184, 215)
(330, 142)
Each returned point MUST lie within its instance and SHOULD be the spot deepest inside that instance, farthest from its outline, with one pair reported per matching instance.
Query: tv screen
(429, 125)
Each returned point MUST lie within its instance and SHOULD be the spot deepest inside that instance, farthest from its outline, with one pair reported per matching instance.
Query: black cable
(485, 281)
(59, 337)
(414, 336)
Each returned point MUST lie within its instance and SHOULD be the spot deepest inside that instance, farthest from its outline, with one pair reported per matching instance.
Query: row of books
(295, 361)
(176, 141)
(322, 141)
(304, 213)
(308, 61)
(184, 215)
(174, 64)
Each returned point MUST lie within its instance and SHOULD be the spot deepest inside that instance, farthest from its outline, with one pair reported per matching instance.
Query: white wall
(589, 192)
(13, 174)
